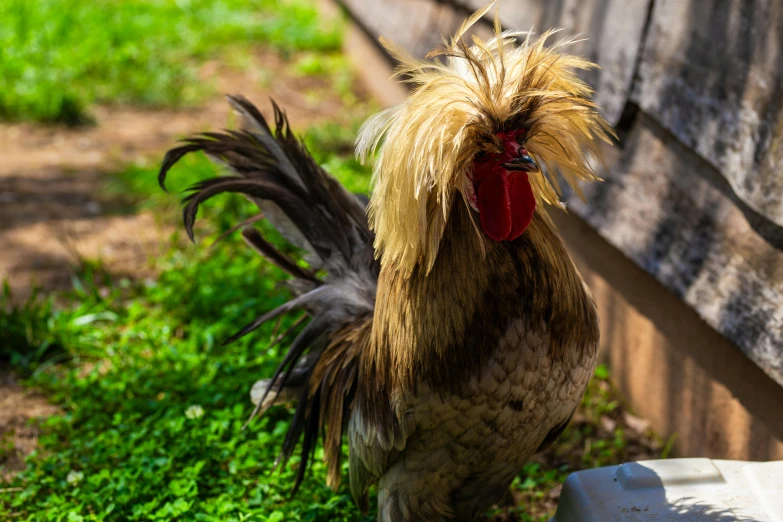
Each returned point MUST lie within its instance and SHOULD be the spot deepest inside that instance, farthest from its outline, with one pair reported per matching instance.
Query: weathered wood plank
(612, 30)
(712, 74)
(416, 25)
(659, 206)
(698, 208)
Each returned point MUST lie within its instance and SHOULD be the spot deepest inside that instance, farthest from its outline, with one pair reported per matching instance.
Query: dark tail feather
(315, 213)
(257, 242)
(298, 302)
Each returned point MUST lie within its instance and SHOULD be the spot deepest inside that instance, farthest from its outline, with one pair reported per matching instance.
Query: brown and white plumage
(445, 358)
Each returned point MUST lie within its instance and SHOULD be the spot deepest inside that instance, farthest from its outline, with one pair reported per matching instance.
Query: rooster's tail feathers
(314, 212)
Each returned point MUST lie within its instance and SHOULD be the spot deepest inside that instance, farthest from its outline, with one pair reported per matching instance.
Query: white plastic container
(692, 490)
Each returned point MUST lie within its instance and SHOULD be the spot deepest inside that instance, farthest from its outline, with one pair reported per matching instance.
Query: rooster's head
(495, 122)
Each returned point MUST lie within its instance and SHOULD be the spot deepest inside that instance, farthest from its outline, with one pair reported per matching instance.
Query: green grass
(139, 356)
(57, 57)
(125, 447)
(127, 360)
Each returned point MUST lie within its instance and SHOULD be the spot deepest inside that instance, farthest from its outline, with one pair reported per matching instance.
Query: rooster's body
(445, 355)
(515, 378)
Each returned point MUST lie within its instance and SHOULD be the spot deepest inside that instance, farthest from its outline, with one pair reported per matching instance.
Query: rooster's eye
(480, 156)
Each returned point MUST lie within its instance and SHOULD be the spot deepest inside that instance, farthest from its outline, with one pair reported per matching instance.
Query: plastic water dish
(691, 490)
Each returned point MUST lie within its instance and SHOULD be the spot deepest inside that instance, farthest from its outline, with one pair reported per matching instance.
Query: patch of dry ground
(21, 410)
(51, 212)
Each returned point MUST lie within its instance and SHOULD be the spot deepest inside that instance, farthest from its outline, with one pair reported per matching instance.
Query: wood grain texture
(712, 74)
(662, 207)
(416, 25)
(612, 30)
(674, 368)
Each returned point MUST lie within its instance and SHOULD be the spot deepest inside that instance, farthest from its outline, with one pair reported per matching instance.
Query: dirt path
(51, 212)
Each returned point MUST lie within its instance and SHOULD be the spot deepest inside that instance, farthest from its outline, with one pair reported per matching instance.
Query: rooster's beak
(524, 163)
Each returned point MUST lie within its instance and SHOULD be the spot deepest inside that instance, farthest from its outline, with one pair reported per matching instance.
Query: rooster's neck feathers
(441, 328)
(426, 144)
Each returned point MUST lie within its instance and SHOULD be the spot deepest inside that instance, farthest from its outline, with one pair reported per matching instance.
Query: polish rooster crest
(462, 109)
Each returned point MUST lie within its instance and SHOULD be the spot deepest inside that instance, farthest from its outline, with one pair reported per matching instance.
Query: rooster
(451, 336)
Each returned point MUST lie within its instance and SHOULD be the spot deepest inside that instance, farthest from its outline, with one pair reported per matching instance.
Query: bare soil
(51, 210)
(21, 412)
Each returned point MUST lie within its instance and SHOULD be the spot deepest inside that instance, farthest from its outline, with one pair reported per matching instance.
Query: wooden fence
(694, 191)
